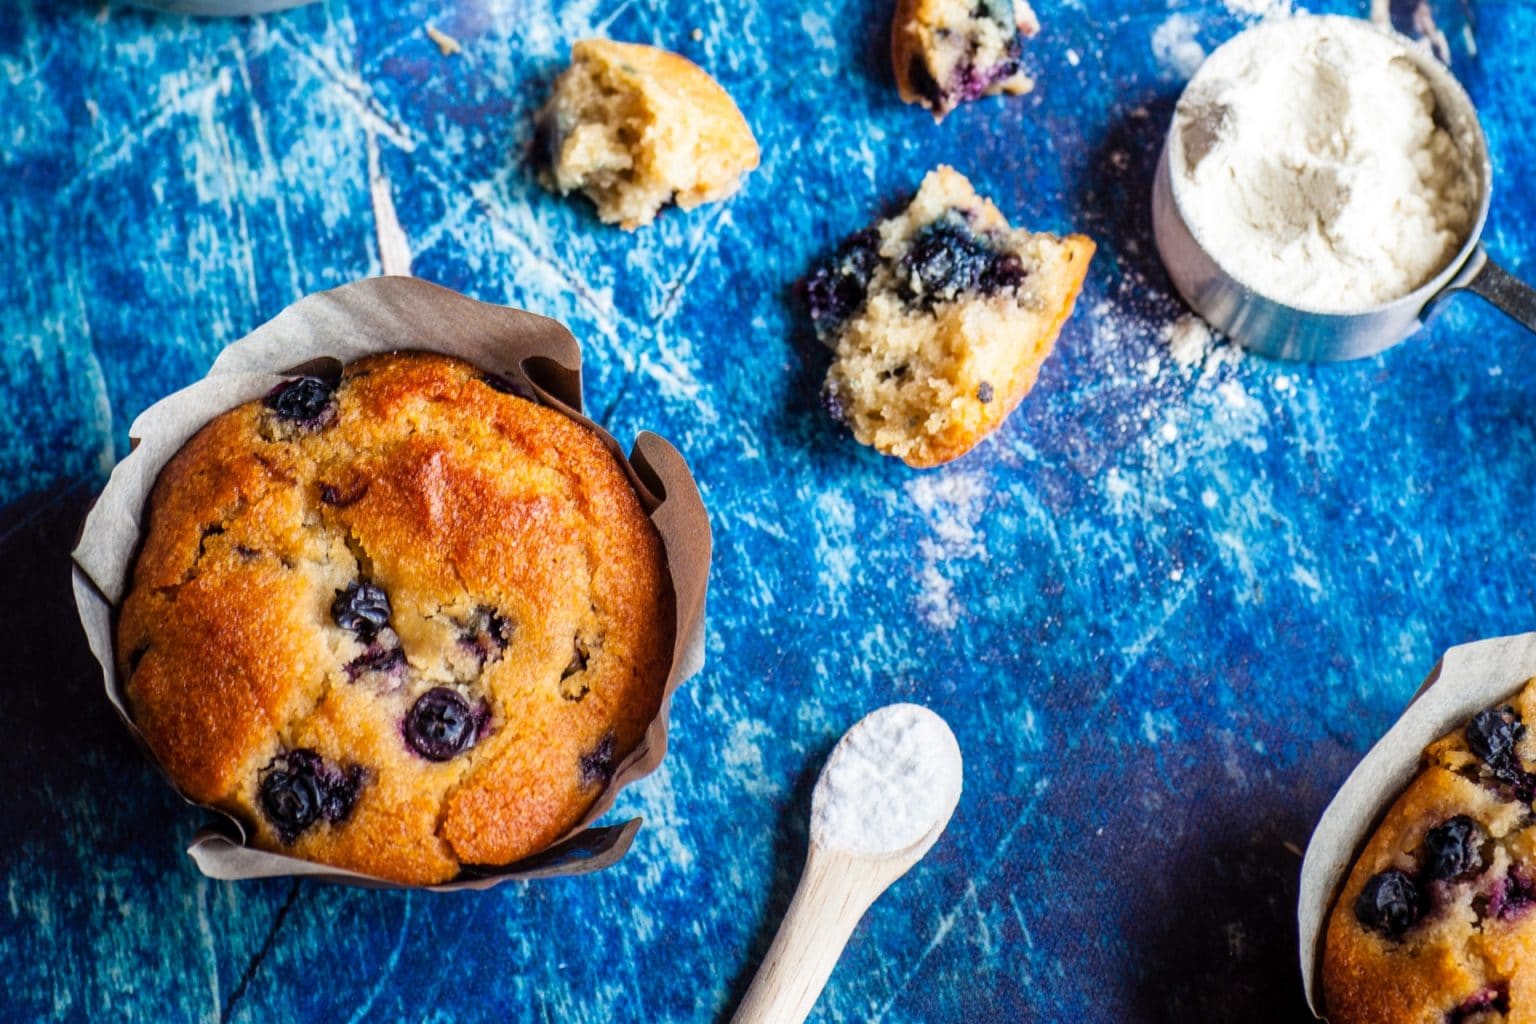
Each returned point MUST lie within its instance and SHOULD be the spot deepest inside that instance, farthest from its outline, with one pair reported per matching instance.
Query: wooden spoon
(886, 792)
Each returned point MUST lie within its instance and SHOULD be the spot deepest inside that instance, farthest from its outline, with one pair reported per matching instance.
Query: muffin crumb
(948, 52)
(446, 44)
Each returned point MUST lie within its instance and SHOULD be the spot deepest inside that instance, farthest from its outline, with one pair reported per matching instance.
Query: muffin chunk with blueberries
(400, 624)
(948, 52)
(1436, 920)
(940, 319)
(636, 127)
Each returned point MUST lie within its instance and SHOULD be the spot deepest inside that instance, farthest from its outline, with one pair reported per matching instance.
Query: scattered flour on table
(1182, 382)
(1307, 160)
(1174, 46)
(890, 779)
(1262, 8)
(1188, 340)
(952, 503)
(1188, 344)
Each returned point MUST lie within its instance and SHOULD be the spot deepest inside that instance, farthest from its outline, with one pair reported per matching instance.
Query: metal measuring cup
(1273, 328)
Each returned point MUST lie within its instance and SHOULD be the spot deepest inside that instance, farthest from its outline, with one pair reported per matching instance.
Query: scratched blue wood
(1165, 610)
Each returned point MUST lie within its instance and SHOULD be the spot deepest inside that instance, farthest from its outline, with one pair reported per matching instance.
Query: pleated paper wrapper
(318, 334)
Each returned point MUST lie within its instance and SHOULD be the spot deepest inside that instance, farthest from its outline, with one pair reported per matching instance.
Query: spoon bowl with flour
(887, 791)
(1324, 184)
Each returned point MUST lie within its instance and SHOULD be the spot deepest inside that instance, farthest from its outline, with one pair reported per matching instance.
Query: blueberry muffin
(940, 318)
(401, 624)
(1436, 921)
(635, 127)
(947, 52)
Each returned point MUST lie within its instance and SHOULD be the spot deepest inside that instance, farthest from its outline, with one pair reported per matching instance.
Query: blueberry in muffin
(1436, 920)
(948, 52)
(400, 622)
(940, 318)
(636, 127)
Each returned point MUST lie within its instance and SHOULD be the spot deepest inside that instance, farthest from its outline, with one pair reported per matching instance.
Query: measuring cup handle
(1482, 276)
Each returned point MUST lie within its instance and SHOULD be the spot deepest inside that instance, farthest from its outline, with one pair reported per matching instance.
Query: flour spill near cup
(889, 781)
(1309, 163)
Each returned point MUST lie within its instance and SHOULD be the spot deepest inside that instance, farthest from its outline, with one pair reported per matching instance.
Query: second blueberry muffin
(400, 624)
(1437, 919)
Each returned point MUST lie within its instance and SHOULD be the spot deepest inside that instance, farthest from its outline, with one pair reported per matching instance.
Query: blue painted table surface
(1165, 609)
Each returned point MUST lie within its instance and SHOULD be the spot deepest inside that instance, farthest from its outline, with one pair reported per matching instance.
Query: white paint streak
(205, 932)
(394, 247)
(836, 548)
(1157, 725)
(947, 922)
(1262, 8)
(352, 91)
(601, 28)
(389, 965)
(271, 179)
(819, 29)
(101, 399)
(744, 757)
(705, 240)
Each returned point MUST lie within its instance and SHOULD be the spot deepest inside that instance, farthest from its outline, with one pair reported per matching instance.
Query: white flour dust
(1175, 48)
(889, 780)
(1188, 339)
(952, 504)
(1262, 8)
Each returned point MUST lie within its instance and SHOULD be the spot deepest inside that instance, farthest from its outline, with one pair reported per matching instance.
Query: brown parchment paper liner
(1466, 680)
(317, 334)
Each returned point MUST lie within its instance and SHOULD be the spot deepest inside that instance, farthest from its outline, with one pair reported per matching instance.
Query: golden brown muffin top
(398, 625)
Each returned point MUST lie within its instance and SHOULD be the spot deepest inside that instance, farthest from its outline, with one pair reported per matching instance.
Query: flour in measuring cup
(1307, 162)
(888, 781)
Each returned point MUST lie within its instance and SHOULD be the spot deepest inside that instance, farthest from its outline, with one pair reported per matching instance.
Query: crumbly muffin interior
(602, 136)
(961, 50)
(939, 319)
(635, 128)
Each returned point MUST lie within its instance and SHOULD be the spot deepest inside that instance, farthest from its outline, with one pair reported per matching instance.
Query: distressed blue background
(1165, 609)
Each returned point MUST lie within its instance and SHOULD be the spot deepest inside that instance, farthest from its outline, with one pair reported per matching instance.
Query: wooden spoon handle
(831, 898)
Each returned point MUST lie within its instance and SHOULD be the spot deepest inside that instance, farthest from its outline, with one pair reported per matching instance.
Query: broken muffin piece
(947, 52)
(635, 127)
(940, 319)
